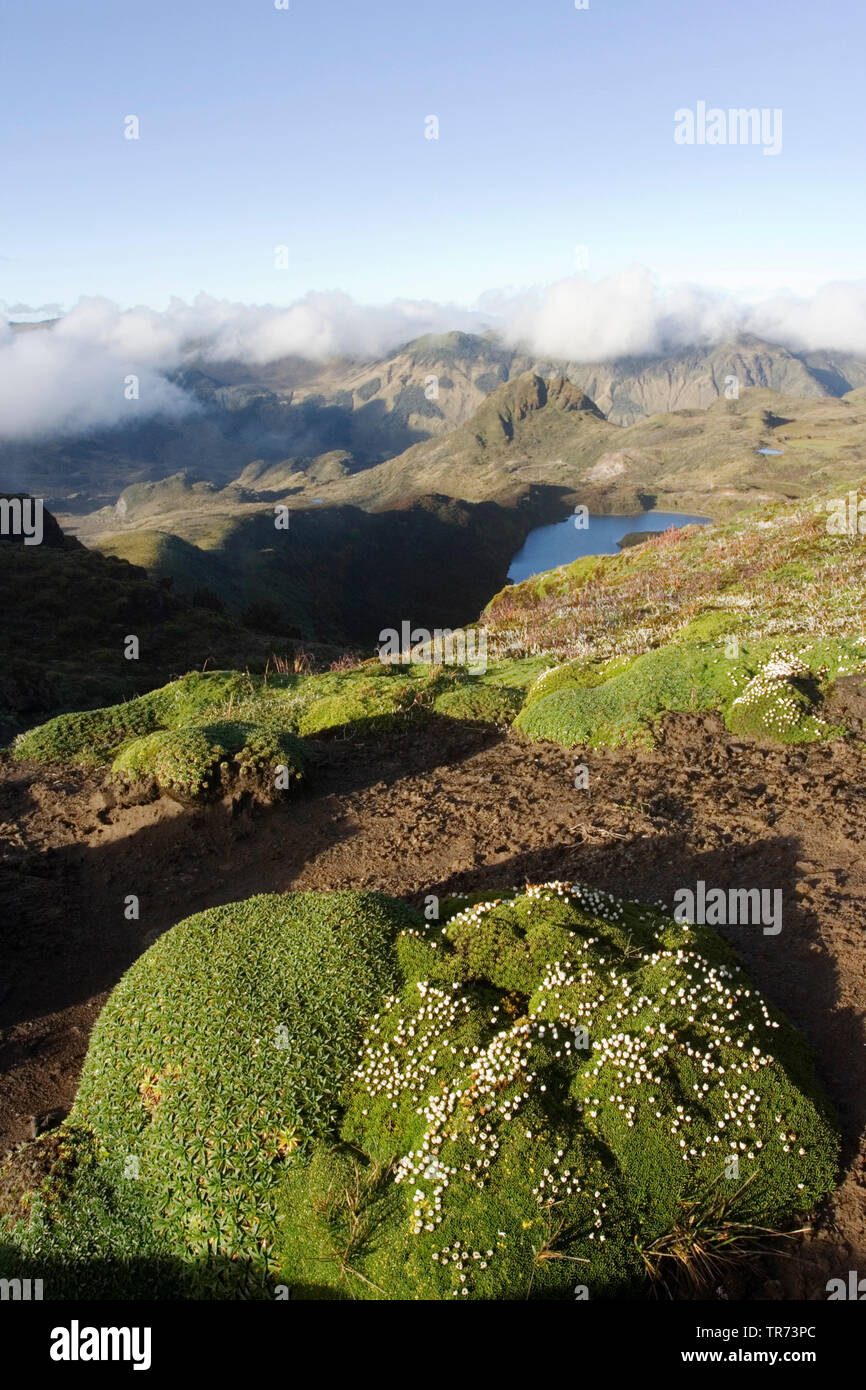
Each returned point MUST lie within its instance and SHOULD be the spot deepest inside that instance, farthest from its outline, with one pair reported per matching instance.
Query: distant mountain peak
(520, 397)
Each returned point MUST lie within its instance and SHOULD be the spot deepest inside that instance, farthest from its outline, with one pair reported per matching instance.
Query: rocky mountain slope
(432, 531)
(397, 391)
(302, 412)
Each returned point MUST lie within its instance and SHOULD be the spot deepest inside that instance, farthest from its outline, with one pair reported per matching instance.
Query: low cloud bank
(582, 320)
(75, 376)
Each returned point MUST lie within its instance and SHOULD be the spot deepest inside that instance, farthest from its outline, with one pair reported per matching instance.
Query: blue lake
(559, 544)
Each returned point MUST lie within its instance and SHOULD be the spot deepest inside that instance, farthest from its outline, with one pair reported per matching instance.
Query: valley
(532, 451)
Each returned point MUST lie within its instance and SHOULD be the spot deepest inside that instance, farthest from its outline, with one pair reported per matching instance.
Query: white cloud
(70, 378)
(834, 317)
(629, 314)
(319, 326)
(585, 320)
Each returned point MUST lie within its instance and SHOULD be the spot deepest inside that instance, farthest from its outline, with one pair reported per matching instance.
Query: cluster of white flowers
(773, 681)
(783, 665)
(492, 1070)
(410, 1061)
(584, 1011)
(557, 1182)
(459, 1259)
(696, 992)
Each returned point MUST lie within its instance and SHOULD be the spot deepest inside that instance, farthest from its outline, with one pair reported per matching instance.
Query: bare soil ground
(445, 808)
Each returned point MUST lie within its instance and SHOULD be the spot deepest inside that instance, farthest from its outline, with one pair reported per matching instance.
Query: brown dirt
(448, 808)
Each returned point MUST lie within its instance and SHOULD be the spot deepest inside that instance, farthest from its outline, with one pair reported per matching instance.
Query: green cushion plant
(561, 1080)
(192, 764)
(768, 693)
(217, 1061)
(541, 1094)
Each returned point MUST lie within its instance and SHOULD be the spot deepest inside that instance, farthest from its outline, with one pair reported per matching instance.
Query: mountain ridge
(369, 412)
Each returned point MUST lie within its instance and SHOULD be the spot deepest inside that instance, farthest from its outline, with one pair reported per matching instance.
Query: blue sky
(305, 127)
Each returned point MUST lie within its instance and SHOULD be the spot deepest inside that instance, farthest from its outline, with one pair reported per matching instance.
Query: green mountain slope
(67, 614)
(549, 434)
(336, 573)
(757, 618)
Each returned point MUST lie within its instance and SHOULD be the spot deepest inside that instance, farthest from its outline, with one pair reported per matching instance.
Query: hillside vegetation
(335, 574)
(445, 517)
(536, 1095)
(209, 730)
(755, 618)
(67, 612)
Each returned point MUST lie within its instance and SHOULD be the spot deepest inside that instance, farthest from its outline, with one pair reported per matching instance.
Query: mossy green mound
(94, 736)
(216, 1062)
(270, 713)
(88, 738)
(184, 762)
(327, 1092)
(768, 693)
(486, 704)
(372, 703)
(782, 700)
(560, 1076)
(192, 764)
